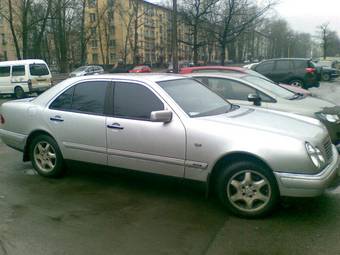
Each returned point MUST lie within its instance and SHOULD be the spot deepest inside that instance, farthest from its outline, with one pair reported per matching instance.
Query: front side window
(265, 67)
(229, 89)
(5, 71)
(86, 97)
(135, 101)
(194, 98)
(18, 70)
(39, 69)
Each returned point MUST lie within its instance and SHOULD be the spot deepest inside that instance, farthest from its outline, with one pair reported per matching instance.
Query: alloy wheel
(249, 191)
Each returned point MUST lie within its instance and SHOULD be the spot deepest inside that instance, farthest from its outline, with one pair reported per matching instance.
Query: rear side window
(39, 69)
(5, 71)
(135, 101)
(64, 101)
(300, 64)
(265, 67)
(18, 70)
(86, 97)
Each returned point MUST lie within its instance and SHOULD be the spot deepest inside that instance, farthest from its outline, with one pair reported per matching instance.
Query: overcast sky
(306, 15)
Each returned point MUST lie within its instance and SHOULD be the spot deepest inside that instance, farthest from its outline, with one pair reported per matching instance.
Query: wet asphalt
(96, 211)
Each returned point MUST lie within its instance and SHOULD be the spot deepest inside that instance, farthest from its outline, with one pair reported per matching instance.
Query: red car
(140, 69)
(236, 69)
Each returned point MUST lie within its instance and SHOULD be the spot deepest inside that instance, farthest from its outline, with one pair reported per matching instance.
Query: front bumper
(303, 185)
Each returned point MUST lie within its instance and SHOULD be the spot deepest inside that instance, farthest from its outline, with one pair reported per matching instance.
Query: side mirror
(256, 99)
(161, 116)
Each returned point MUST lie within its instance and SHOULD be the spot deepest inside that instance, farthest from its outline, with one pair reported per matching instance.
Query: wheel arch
(229, 159)
(31, 136)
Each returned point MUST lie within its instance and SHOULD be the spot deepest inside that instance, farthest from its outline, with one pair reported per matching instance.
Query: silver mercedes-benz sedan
(173, 125)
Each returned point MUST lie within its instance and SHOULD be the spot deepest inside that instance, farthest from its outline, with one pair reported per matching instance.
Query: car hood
(306, 106)
(286, 124)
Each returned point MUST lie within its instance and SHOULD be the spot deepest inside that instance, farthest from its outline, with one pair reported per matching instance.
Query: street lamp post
(174, 36)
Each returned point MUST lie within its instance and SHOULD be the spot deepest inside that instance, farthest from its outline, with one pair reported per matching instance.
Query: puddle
(30, 172)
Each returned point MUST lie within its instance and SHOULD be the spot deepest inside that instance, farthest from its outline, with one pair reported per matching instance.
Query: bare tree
(232, 17)
(194, 15)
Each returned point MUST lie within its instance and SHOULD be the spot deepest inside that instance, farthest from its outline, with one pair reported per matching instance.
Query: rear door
(19, 77)
(5, 80)
(283, 71)
(77, 120)
(40, 76)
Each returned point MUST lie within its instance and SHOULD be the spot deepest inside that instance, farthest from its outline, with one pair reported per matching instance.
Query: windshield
(194, 98)
(270, 86)
(252, 72)
(80, 69)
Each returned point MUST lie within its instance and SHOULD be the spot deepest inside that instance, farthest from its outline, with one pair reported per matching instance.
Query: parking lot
(96, 211)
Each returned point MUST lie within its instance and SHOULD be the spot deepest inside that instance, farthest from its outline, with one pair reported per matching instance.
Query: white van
(24, 76)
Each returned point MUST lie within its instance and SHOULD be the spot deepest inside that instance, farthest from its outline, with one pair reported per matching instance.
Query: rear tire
(247, 189)
(46, 156)
(297, 83)
(326, 77)
(19, 92)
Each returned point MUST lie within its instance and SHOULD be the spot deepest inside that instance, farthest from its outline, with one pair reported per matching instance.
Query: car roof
(153, 77)
(22, 62)
(193, 68)
(219, 75)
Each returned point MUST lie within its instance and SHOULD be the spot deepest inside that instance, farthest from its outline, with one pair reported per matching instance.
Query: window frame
(107, 100)
(112, 94)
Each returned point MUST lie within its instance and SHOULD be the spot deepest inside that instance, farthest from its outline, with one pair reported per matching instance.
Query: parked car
(247, 90)
(327, 71)
(121, 69)
(175, 126)
(295, 71)
(236, 69)
(87, 70)
(24, 76)
(140, 69)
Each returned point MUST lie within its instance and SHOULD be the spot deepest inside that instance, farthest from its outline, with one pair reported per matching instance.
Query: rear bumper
(302, 185)
(14, 140)
(39, 89)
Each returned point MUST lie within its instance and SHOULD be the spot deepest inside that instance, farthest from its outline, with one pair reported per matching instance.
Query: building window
(112, 29)
(110, 3)
(95, 58)
(3, 41)
(93, 17)
(94, 43)
(112, 57)
(112, 43)
(92, 3)
(93, 31)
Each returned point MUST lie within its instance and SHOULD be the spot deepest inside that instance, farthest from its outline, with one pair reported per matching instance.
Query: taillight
(2, 119)
(310, 70)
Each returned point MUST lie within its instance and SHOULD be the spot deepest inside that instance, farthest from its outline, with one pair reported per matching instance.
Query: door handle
(57, 119)
(115, 126)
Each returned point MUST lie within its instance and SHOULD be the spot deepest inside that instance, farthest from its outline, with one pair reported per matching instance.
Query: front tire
(247, 189)
(46, 157)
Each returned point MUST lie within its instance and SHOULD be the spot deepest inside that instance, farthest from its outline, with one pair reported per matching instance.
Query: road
(94, 211)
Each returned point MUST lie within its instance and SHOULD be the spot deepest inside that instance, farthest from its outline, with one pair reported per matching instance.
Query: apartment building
(112, 25)
(7, 50)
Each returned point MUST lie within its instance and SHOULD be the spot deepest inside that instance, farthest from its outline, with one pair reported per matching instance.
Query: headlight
(315, 155)
(329, 117)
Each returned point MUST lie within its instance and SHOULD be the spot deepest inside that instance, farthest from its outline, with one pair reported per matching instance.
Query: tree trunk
(15, 38)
